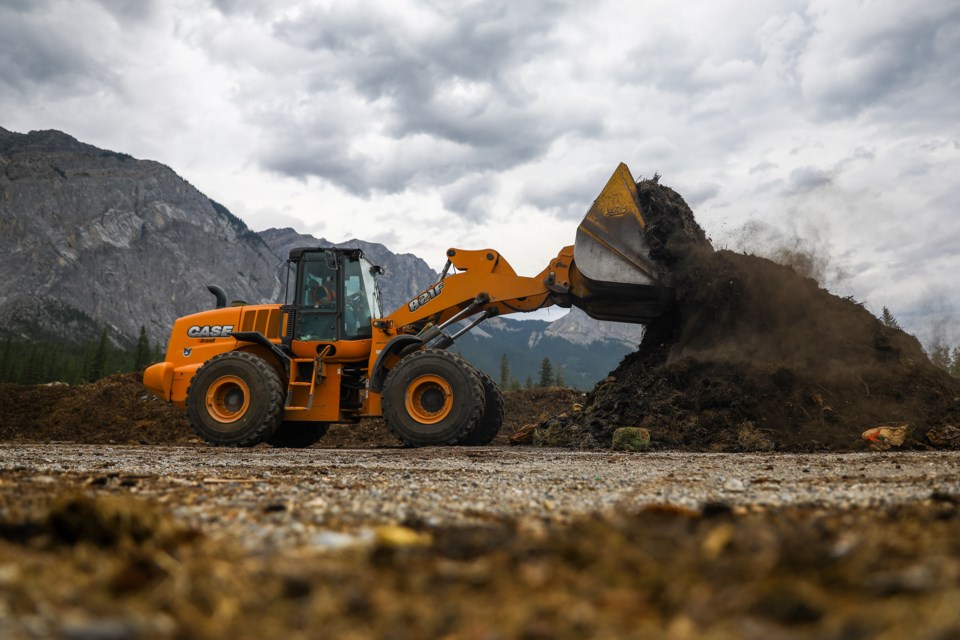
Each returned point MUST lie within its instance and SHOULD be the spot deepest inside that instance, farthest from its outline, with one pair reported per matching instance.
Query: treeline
(946, 357)
(62, 360)
(941, 353)
(548, 377)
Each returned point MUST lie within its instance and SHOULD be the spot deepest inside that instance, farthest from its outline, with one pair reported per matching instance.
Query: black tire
(492, 417)
(432, 397)
(235, 400)
(298, 435)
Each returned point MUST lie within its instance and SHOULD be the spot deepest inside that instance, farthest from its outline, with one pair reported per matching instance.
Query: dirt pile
(755, 356)
(120, 410)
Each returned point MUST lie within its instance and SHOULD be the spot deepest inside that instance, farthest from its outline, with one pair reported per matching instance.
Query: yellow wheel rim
(228, 399)
(429, 399)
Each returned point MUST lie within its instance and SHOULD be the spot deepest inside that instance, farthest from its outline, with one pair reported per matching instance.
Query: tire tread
(263, 429)
(392, 414)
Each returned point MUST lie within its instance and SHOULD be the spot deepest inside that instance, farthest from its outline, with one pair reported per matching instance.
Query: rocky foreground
(124, 541)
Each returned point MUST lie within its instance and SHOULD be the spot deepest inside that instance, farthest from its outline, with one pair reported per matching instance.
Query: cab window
(318, 299)
(356, 307)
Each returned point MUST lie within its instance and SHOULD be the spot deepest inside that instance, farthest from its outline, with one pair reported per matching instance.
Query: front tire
(235, 399)
(432, 397)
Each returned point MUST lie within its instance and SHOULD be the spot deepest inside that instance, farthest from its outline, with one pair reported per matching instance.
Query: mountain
(89, 236)
(92, 239)
(527, 342)
(579, 328)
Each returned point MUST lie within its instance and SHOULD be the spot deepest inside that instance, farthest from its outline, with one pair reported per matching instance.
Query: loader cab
(332, 295)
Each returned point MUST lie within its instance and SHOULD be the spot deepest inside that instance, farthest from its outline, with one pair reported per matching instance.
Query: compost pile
(755, 356)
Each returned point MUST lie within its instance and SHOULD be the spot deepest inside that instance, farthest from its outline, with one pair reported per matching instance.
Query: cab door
(318, 297)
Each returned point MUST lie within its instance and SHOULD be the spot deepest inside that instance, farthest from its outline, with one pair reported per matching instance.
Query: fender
(258, 338)
(397, 345)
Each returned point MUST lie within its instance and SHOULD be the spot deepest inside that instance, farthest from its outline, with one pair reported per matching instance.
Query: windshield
(361, 298)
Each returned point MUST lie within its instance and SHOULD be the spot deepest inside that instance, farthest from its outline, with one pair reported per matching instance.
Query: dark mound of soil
(755, 356)
(120, 410)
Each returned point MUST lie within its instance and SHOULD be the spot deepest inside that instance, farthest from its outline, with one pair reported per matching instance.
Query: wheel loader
(282, 373)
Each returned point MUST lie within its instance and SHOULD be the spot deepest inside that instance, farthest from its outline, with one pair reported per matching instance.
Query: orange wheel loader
(282, 373)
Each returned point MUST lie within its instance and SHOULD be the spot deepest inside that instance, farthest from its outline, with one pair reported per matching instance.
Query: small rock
(734, 484)
(334, 540)
(749, 438)
(396, 536)
(945, 436)
(631, 439)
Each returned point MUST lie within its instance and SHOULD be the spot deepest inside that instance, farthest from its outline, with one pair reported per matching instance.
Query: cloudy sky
(829, 127)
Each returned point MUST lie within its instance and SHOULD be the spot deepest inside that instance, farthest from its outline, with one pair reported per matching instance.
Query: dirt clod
(631, 439)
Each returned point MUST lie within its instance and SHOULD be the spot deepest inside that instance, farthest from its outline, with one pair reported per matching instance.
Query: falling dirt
(754, 356)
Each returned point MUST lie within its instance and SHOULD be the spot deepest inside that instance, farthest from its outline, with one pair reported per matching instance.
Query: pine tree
(33, 369)
(887, 319)
(98, 364)
(559, 381)
(142, 354)
(157, 353)
(6, 362)
(87, 363)
(954, 369)
(514, 384)
(940, 355)
(546, 373)
(504, 371)
(529, 383)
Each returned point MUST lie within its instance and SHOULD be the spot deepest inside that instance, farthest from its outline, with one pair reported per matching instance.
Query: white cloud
(478, 124)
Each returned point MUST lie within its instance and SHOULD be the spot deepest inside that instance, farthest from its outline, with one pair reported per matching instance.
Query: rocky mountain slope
(579, 328)
(90, 235)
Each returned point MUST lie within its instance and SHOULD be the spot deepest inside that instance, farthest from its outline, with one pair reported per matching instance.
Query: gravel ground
(128, 542)
(332, 498)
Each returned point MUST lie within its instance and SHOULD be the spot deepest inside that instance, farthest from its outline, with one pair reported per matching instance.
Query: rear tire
(432, 397)
(492, 417)
(235, 399)
(298, 435)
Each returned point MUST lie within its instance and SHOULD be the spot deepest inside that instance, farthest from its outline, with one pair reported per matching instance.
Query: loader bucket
(613, 277)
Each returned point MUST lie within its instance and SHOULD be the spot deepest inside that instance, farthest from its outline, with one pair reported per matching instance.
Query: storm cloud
(437, 124)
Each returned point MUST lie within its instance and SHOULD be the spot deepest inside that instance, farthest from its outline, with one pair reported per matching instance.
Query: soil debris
(120, 410)
(755, 356)
(660, 571)
(946, 436)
